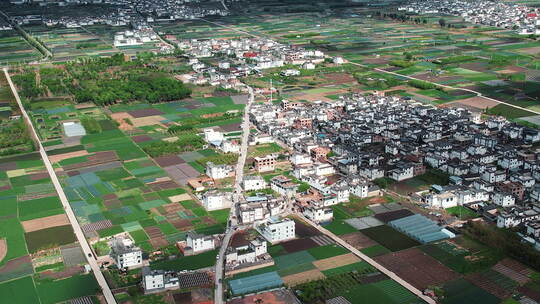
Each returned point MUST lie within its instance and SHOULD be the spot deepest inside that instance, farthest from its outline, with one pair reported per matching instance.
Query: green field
(49, 238)
(62, 290)
(21, 291)
(389, 238)
(201, 260)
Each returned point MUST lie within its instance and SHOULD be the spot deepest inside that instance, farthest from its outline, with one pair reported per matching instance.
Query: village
(523, 19)
(344, 149)
(238, 58)
(119, 12)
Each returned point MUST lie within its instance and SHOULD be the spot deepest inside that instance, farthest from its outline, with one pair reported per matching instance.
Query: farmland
(312, 261)
(14, 49)
(127, 173)
(495, 65)
(36, 233)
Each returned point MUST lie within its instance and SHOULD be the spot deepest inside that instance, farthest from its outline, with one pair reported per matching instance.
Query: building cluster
(502, 14)
(135, 37)
(123, 12)
(219, 141)
(241, 57)
(341, 147)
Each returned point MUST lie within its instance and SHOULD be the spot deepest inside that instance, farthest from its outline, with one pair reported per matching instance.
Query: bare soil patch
(478, 102)
(337, 261)
(358, 240)
(340, 78)
(303, 277)
(60, 157)
(417, 268)
(299, 245)
(3, 249)
(45, 222)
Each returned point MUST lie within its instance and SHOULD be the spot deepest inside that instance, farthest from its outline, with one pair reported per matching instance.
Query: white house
(338, 60)
(159, 280)
(290, 72)
(300, 159)
(308, 66)
(215, 200)
(401, 173)
(504, 199)
(318, 213)
(360, 189)
(371, 173)
(125, 253)
(446, 199)
(218, 171)
(277, 230)
(250, 253)
(322, 169)
(200, 242)
(283, 185)
(253, 182)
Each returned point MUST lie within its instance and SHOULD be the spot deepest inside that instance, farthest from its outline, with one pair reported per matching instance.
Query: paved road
(371, 261)
(71, 216)
(233, 222)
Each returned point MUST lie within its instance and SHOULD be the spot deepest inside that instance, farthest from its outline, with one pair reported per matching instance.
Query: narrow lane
(63, 198)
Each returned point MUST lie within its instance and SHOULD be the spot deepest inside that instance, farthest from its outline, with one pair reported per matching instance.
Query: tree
(442, 22)
(303, 187)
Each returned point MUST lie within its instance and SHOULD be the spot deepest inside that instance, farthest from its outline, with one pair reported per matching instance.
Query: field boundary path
(232, 222)
(370, 261)
(63, 198)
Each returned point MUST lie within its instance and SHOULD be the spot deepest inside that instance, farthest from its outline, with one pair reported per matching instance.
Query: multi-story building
(277, 230)
(125, 253)
(266, 163)
(215, 200)
(155, 281)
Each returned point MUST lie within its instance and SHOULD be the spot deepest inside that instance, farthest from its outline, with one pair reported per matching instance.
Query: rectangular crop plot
(21, 291)
(461, 291)
(49, 237)
(328, 251)
(255, 283)
(29, 210)
(390, 238)
(289, 260)
(298, 245)
(417, 268)
(65, 289)
(359, 266)
(205, 259)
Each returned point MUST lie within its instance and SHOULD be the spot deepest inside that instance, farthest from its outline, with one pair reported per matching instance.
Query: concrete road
(233, 221)
(71, 216)
(371, 261)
